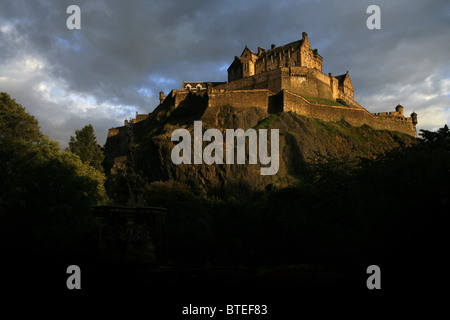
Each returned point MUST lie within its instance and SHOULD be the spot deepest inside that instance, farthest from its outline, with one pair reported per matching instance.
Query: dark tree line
(46, 195)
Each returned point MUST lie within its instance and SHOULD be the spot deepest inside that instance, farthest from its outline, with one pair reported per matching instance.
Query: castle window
(304, 54)
(281, 56)
(309, 57)
(295, 63)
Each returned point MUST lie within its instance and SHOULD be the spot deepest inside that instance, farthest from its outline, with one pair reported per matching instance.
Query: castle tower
(399, 110)
(414, 118)
(162, 97)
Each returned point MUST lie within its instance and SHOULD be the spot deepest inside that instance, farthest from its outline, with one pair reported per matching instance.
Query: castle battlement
(139, 117)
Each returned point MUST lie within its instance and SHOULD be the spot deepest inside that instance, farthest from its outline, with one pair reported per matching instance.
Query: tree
(15, 122)
(439, 139)
(84, 144)
(19, 131)
(46, 195)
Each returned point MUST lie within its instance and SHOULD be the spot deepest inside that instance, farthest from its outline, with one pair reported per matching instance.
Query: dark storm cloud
(127, 51)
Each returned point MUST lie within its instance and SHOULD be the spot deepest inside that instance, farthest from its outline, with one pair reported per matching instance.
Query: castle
(289, 78)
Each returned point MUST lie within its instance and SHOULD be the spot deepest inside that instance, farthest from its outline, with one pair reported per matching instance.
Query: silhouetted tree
(84, 144)
(439, 139)
(46, 195)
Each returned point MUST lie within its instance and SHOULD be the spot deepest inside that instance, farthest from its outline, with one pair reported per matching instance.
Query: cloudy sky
(128, 51)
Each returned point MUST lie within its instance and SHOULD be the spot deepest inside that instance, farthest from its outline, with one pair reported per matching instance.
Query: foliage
(267, 122)
(16, 123)
(19, 132)
(438, 140)
(46, 195)
(84, 144)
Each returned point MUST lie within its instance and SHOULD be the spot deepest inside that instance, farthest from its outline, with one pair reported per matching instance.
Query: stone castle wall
(287, 100)
(113, 132)
(239, 98)
(268, 80)
(354, 116)
(293, 84)
(301, 80)
(306, 81)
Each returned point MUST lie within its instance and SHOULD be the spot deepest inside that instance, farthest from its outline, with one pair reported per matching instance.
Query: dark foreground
(163, 292)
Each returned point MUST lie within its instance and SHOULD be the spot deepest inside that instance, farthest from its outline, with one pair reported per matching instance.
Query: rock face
(301, 140)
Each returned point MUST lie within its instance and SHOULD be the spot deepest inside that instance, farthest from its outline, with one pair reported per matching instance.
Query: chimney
(272, 46)
(304, 35)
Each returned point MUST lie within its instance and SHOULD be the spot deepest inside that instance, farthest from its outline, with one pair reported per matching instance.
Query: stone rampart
(239, 98)
(353, 115)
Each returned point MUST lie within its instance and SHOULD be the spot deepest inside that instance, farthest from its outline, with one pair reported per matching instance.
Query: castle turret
(162, 97)
(399, 110)
(414, 118)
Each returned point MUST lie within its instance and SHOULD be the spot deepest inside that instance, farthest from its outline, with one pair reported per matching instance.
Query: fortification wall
(306, 81)
(179, 96)
(239, 98)
(270, 80)
(301, 80)
(354, 116)
(311, 72)
(114, 131)
(347, 100)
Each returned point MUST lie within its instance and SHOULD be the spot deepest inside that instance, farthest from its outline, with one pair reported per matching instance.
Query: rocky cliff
(301, 141)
